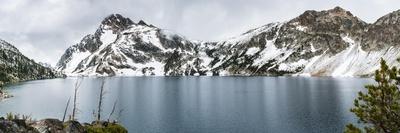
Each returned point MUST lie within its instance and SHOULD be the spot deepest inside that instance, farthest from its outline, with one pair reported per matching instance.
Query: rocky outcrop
(4, 94)
(56, 126)
(385, 32)
(324, 29)
(15, 126)
(317, 43)
(74, 127)
(48, 126)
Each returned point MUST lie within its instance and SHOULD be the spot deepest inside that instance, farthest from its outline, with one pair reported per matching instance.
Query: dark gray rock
(385, 32)
(15, 126)
(73, 127)
(49, 126)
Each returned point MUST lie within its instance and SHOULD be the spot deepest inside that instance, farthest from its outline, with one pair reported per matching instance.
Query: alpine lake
(197, 104)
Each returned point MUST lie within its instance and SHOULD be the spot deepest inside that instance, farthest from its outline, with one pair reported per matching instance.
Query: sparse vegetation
(24, 123)
(108, 128)
(11, 116)
(378, 109)
(100, 126)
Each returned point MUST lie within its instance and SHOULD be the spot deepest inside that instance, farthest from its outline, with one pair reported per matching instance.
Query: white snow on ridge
(313, 48)
(301, 28)
(270, 52)
(292, 66)
(252, 50)
(352, 61)
(108, 37)
(76, 58)
(248, 35)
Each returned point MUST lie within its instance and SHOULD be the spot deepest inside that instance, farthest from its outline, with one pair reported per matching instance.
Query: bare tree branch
(112, 111)
(101, 98)
(77, 85)
(66, 108)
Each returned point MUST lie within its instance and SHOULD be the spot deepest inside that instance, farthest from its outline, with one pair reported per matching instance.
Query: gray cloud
(43, 29)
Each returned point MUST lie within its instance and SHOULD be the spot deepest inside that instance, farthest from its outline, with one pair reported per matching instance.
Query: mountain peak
(336, 18)
(338, 9)
(117, 21)
(314, 43)
(335, 12)
(391, 18)
(141, 22)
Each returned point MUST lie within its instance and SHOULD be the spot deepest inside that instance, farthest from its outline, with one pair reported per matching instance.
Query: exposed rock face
(15, 126)
(16, 67)
(120, 46)
(383, 33)
(49, 126)
(323, 29)
(73, 127)
(116, 23)
(318, 43)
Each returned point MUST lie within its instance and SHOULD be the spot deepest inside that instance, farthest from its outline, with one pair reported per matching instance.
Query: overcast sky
(43, 29)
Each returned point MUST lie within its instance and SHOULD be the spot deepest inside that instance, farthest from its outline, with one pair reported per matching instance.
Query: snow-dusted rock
(316, 43)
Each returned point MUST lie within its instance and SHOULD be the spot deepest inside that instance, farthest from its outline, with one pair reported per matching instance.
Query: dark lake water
(199, 104)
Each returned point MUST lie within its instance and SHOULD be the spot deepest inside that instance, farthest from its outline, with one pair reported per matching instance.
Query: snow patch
(301, 28)
(76, 58)
(252, 50)
(108, 37)
(313, 48)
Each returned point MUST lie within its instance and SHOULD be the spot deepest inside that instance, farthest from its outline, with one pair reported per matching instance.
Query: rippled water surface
(199, 104)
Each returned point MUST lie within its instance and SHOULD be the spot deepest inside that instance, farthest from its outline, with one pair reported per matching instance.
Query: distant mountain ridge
(16, 67)
(317, 43)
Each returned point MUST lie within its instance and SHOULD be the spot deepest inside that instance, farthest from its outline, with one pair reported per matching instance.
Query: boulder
(15, 126)
(73, 127)
(49, 126)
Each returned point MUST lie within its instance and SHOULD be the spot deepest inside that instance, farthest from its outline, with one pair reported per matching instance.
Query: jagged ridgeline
(16, 67)
(318, 43)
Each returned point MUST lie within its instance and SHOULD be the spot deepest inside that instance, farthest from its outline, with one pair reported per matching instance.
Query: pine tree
(378, 109)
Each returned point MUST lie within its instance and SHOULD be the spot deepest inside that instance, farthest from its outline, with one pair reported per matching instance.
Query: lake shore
(4, 94)
(23, 124)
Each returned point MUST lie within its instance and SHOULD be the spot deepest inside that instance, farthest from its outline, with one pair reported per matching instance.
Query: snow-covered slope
(316, 43)
(122, 47)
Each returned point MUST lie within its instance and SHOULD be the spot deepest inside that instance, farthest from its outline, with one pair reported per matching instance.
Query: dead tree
(66, 108)
(74, 109)
(112, 111)
(120, 114)
(101, 98)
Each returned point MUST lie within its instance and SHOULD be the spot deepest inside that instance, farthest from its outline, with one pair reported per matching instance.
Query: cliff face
(319, 43)
(384, 33)
(122, 47)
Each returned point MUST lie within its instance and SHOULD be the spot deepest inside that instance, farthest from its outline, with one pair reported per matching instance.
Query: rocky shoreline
(14, 124)
(4, 94)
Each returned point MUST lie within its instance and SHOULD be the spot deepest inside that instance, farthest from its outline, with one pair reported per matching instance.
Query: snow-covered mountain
(316, 43)
(16, 67)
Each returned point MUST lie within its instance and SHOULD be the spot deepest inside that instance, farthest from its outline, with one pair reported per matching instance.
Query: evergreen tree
(378, 109)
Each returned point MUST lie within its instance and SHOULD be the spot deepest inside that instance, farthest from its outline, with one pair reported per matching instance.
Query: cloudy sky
(43, 29)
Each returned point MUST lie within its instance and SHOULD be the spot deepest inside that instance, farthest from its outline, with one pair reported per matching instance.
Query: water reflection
(200, 104)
